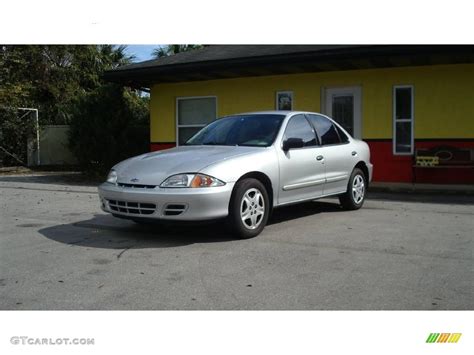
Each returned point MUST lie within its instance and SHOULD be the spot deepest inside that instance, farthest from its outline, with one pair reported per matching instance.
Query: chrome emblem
(134, 180)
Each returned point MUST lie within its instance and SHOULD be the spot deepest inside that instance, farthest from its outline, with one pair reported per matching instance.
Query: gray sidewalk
(422, 188)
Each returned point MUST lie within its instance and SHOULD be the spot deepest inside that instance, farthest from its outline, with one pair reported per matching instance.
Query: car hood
(154, 168)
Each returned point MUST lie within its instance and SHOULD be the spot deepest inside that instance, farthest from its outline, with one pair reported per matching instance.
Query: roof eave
(327, 60)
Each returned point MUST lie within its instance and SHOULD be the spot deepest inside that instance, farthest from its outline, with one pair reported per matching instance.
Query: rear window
(344, 138)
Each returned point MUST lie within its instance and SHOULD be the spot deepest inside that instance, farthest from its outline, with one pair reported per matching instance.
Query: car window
(344, 138)
(326, 130)
(299, 127)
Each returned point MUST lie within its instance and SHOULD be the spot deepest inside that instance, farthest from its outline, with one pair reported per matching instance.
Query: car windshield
(244, 130)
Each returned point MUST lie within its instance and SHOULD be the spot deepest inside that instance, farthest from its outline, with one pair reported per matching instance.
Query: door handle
(319, 158)
(354, 153)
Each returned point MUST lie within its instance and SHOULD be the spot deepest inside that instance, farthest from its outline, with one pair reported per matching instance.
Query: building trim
(177, 125)
(244, 61)
(155, 146)
(411, 119)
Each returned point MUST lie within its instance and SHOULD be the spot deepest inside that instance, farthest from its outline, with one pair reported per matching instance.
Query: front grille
(174, 209)
(136, 186)
(132, 207)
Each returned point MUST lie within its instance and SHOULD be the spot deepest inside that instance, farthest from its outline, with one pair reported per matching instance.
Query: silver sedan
(241, 167)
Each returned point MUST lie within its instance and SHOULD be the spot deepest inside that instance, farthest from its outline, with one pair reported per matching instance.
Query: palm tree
(114, 56)
(171, 49)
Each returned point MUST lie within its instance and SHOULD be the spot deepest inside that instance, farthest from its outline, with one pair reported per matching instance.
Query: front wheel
(248, 209)
(354, 197)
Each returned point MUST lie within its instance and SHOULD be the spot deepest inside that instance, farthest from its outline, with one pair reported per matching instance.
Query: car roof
(290, 113)
(274, 112)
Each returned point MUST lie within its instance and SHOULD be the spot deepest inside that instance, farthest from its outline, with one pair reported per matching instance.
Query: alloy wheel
(252, 208)
(358, 189)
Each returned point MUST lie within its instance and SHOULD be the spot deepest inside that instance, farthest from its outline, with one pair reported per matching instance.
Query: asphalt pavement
(58, 251)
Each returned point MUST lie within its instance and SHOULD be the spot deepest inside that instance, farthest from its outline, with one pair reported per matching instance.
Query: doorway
(344, 105)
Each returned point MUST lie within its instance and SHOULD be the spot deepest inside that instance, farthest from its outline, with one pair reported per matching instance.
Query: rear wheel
(248, 209)
(354, 197)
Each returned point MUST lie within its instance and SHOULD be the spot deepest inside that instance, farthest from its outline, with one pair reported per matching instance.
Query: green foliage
(52, 78)
(15, 128)
(170, 49)
(65, 84)
(110, 124)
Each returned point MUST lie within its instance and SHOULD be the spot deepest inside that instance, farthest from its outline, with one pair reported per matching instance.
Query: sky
(141, 52)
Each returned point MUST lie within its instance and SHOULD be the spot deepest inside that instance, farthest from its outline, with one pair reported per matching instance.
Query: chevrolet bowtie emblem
(134, 180)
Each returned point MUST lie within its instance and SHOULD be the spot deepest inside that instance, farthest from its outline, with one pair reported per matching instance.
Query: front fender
(231, 170)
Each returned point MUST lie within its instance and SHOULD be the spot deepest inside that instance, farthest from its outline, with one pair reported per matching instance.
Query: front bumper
(183, 204)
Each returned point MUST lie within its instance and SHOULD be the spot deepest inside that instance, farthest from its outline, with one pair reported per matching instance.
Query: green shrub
(108, 125)
(15, 128)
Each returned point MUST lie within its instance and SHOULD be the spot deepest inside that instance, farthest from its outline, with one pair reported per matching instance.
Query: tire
(249, 198)
(354, 197)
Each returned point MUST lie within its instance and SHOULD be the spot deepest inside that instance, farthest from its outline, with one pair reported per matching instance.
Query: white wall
(54, 148)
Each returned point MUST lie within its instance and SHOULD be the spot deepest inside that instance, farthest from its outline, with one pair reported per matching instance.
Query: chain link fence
(18, 129)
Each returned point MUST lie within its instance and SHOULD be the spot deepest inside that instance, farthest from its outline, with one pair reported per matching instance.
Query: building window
(193, 113)
(284, 100)
(403, 118)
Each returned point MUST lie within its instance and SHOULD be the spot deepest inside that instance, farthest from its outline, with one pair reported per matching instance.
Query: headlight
(191, 180)
(112, 177)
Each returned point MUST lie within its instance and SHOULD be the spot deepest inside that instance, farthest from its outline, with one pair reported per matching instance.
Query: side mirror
(292, 143)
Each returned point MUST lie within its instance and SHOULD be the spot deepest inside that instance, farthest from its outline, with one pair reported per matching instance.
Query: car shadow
(300, 210)
(107, 232)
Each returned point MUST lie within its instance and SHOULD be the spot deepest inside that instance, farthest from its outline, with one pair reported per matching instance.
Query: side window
(326, 130)
(299, 127)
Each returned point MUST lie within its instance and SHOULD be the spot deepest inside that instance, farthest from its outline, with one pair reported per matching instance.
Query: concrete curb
(426, 189)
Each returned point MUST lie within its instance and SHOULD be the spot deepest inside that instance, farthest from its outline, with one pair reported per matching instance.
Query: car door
(337, 154)
(301, 173)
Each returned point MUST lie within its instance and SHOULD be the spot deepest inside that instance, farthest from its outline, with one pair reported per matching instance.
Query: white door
(344, 106)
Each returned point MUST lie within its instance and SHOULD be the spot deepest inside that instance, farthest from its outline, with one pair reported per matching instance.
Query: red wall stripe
(398, 168)
(160, 146)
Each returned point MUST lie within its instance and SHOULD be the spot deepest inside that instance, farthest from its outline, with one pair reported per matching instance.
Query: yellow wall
(444, 98)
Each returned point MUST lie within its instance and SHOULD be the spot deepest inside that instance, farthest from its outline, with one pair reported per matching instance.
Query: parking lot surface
(58, 250)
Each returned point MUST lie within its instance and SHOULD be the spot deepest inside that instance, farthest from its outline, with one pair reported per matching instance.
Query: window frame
(411, 120)
(357, 92)
(318, 142)
(178, 126)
